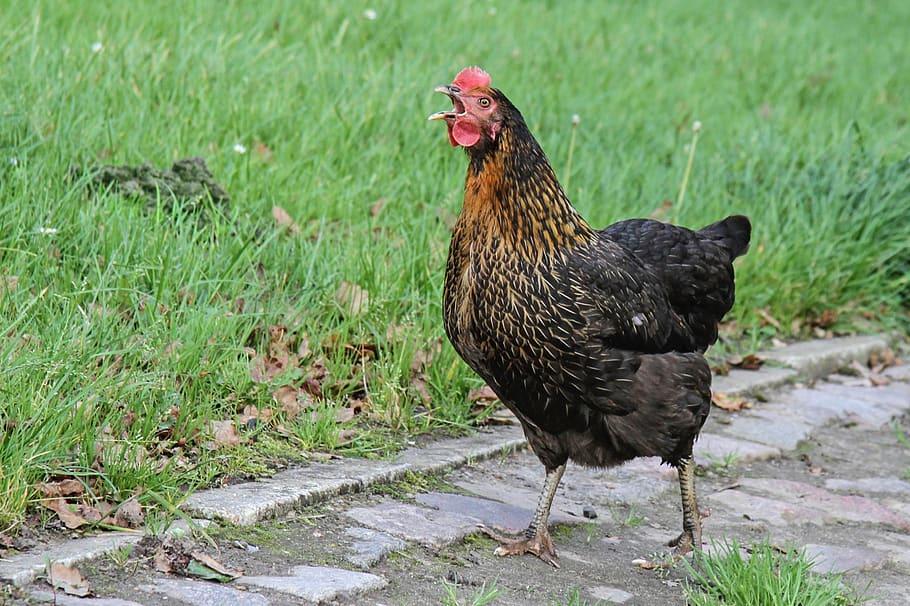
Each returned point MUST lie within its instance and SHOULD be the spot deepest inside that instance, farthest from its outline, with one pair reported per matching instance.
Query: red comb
(472, 77)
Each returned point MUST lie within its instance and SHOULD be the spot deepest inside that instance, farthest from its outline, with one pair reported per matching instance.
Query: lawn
(129, 328)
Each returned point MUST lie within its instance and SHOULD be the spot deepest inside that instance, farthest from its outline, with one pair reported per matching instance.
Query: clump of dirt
(187, 184)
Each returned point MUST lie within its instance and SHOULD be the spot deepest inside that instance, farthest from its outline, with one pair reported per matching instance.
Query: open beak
(458, 106)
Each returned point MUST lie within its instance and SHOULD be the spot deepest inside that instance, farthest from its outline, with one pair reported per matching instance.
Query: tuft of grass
(124, 323)
(767, 577)
(482, 596)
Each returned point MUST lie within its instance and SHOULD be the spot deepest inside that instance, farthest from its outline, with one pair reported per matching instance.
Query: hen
(594, 339)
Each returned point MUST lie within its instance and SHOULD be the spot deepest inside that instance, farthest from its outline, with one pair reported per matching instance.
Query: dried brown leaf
(748, 362)
(343, 415)
(722, 369)
(283, 219)
(346, 435)
(69, 487)
(293, 400)
(352, 298)
(129, 514)
(215, 565)
(225, 433)
(262, 151)
(68, 579)
(377, 207)
(482, 394)
(419, 385)
(729, 403)
(662, 211)
(423, 357)
(8, 283)
(70, 518)
(303, 348)
(768, 319)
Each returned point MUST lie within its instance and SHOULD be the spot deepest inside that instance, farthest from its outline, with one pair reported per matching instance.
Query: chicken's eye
(483, 102)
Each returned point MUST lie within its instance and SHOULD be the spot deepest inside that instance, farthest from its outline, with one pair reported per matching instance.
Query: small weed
(574, 599)
(481, 597)
(723, 466)
(768, 577)
(120, 557)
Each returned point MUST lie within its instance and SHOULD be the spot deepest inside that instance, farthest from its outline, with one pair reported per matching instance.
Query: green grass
(482, 596)
(128, 313)
(767, 578)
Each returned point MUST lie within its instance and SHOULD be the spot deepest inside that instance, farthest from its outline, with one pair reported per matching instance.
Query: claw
(539, 544)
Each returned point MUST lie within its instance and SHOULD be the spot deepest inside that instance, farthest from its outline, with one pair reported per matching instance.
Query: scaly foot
(540, 544)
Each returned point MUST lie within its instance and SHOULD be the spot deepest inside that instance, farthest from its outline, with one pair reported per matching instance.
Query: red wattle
(465, 133)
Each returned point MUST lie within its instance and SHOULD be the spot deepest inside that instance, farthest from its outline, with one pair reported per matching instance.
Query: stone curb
(251, 502)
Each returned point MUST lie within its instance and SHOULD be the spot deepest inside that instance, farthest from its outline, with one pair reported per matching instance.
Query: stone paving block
(446, 454)
(825, 405)
(22, 569)
(563, 511)
(204, 593)
(370, 546)
(318, 583)
(61, 599)
(713, 447)
(772, 511)
(769, 429)
(492, 513)
(247, 503)
(831, 507)
(745, 382)
(898, 373)
(823, 356)
(867, 485)
(423, 525)
(832, 558)
(613, 595)
(893, 398)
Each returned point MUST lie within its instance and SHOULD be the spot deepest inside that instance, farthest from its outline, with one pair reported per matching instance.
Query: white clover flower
(240, 148)
(696, 126)
(47, 231)
(576, 119)
(14, 161)
(370, 14)
(97, 47)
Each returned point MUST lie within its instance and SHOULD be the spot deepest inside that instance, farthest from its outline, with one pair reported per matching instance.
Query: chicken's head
(475, 116)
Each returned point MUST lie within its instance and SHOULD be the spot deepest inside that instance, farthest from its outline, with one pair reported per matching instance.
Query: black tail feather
(732, 233)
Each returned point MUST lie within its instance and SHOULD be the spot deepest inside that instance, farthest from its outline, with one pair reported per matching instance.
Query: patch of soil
(187, 184)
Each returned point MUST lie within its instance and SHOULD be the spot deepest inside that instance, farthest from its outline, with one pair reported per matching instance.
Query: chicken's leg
(536, 538)
(691, 534)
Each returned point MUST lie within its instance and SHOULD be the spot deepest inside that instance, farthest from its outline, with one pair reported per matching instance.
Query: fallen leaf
(8, 283)
(662, 210)
(729, 403)
(346, 435)
(64, 488)
(748, 362)
(423, 357)
(377, 207)
(303, 348)
(352, 298)
(419, 384)
(644, 564)
(225, 433)
(129, 514)
(262, 151)
(722, 369)
(767, 318)
(69, 579)
(826, 319)
(293, 400)
(70, 518)
(343, 415)
(207, 567)
(484, 393)
(283, 219)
